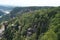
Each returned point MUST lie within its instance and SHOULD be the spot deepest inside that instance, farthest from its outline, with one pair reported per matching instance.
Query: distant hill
(6, 8)
(20, 10)
(1, 13)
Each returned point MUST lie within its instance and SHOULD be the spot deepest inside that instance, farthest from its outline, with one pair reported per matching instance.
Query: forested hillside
(20, 10)
(43, 24)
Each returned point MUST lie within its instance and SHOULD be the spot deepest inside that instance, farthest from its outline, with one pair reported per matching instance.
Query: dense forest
(37, 24)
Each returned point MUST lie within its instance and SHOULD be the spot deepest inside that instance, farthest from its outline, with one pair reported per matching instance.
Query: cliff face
(2, 31)
(3, 28)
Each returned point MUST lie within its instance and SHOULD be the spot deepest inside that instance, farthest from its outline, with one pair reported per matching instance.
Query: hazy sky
(30, 2)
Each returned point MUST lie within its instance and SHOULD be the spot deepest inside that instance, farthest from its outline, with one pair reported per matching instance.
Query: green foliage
(41, 24)
(50, 35)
